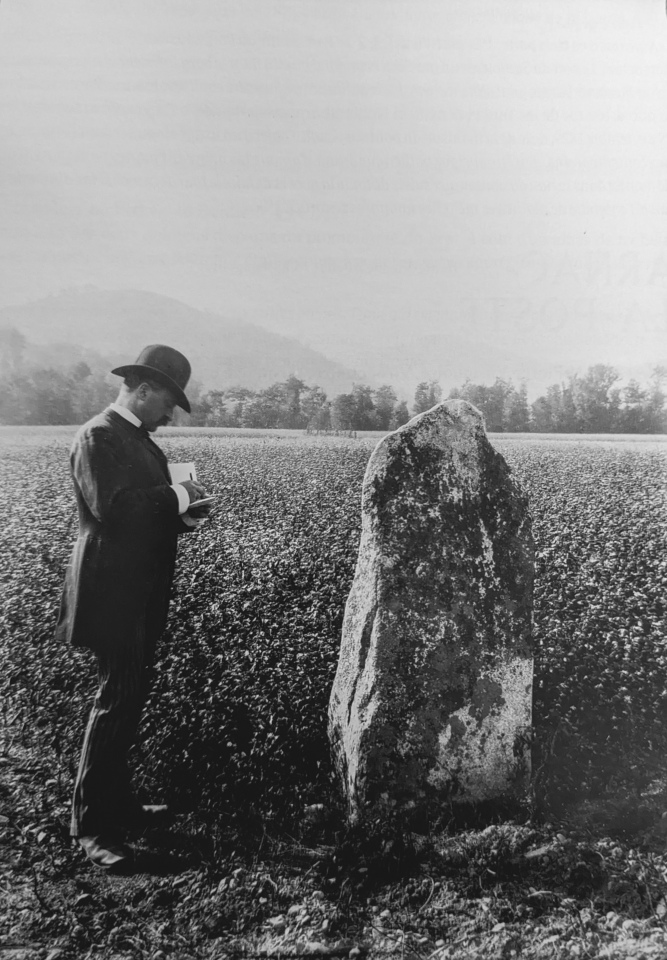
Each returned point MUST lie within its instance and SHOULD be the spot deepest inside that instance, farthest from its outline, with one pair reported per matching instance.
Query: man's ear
(143, 391)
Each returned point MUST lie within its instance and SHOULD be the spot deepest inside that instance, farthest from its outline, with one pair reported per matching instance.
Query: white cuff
(183, 497)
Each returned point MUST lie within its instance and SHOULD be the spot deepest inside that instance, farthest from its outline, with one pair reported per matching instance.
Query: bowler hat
(164, 364)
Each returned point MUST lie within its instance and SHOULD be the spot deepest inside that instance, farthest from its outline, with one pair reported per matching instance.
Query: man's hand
(195, 490)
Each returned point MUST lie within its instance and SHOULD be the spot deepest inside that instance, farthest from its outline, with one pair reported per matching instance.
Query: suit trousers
(103, 800)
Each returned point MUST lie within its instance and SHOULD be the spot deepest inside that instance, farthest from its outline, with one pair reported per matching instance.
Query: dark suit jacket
(119, 577)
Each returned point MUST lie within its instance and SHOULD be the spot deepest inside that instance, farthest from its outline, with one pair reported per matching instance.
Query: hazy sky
(349, 172)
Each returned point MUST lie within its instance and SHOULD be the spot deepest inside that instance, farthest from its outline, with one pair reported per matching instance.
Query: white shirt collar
(126, 414)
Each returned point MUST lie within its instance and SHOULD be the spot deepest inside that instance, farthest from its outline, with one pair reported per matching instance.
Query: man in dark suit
(118, 582)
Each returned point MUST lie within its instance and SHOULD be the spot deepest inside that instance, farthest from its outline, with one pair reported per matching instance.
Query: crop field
(234, 736)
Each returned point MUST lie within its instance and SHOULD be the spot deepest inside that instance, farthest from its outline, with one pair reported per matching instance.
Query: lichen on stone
(435, 669)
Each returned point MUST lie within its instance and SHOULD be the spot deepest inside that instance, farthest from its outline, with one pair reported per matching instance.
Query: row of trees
(33, 395)
(46, 396)
(595, 404)
(294, 405)
(590, 403)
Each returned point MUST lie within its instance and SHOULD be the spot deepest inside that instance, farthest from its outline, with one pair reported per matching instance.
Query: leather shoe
(105, 852)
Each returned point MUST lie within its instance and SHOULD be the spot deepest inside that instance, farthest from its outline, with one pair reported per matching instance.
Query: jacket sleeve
(108, 481)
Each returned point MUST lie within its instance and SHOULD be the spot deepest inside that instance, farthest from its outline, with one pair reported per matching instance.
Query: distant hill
(111, 326)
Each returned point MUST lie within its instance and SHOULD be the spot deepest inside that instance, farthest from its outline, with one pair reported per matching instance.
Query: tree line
(294, 405)
(588, 403)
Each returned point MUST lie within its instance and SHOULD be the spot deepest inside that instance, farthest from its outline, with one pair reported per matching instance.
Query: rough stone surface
(432, 696)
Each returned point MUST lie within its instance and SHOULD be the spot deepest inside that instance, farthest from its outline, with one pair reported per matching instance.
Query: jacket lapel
(155, 450)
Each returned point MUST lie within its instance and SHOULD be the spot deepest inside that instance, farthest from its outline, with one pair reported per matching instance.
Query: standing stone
(432, 697)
